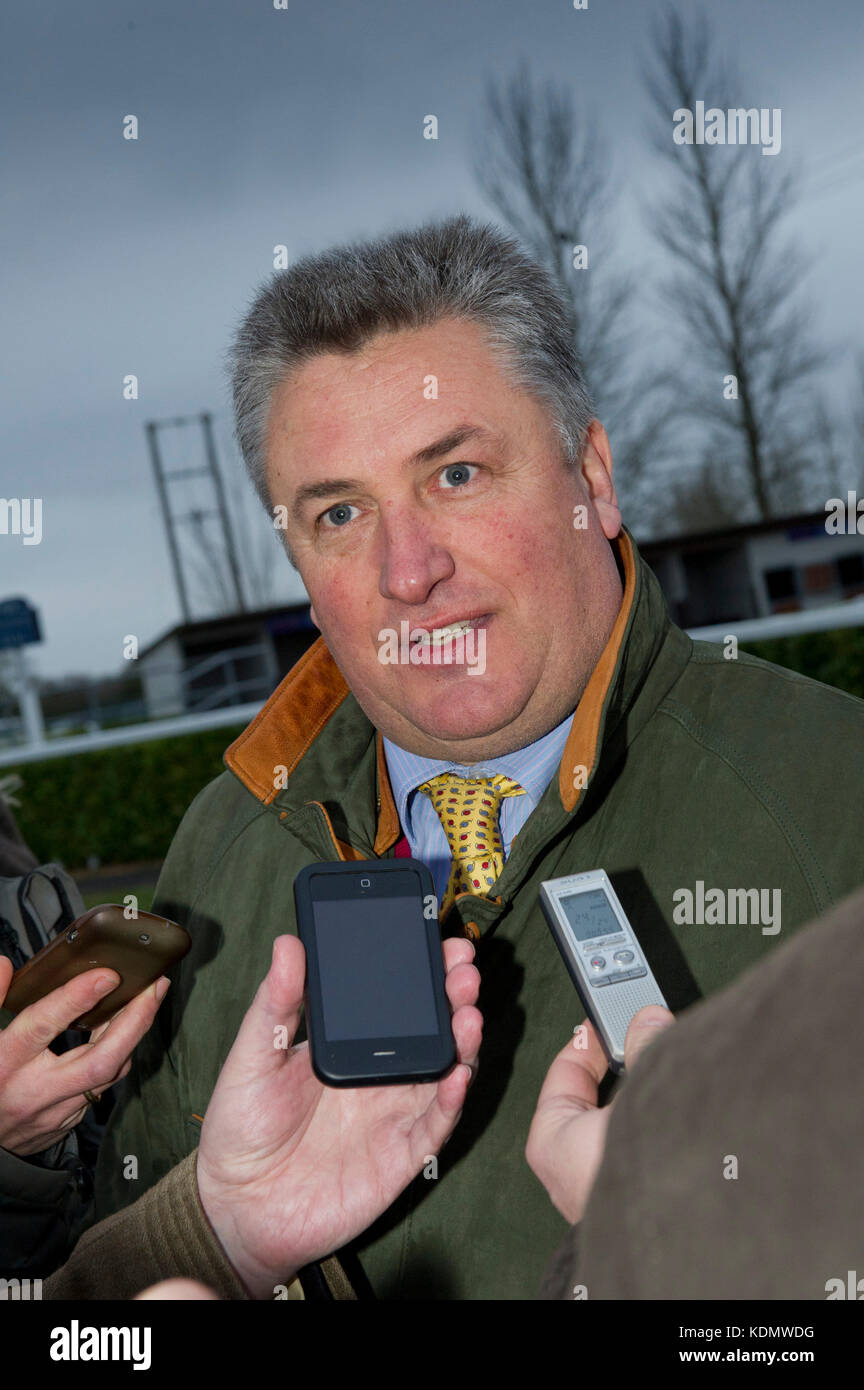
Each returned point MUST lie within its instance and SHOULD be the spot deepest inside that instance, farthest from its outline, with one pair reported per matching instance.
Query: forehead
(391, 397)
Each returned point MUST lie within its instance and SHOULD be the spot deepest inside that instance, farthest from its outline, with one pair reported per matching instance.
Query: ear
(597, 475)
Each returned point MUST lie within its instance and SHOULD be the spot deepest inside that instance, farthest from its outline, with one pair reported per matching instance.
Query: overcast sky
(304, 127)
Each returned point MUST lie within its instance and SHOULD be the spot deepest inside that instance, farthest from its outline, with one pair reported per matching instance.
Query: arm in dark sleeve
(147, 1134)
(40, 1207)
(165, 1234)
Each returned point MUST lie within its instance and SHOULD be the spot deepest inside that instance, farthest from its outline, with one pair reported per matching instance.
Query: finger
(101, 1029)
(263, 1042)
(39, 1024)
(447, 1099)
(458, 950)
(467, 1024)
(573, 1078)
(644, 1027)
(463, 985)
(448, 1105)
(436, 1124)
(53, 1125)
(185, 1290)
(102, 1086)
(7, 970)
(94, 1065)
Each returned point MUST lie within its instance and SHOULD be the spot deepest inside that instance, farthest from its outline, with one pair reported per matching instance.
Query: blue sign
(19, 624)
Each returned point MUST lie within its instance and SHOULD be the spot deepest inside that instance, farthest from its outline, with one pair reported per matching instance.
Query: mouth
(436, 636)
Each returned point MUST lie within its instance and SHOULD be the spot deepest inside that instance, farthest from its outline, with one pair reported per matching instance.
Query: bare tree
(748, 353)
(546, 170)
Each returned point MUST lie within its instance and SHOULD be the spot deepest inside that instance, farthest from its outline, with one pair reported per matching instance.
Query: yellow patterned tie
(468, 809)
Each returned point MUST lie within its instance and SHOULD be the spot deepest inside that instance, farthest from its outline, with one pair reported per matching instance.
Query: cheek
(505, 541)
(339, 604)
(530, 551)
(347, 607)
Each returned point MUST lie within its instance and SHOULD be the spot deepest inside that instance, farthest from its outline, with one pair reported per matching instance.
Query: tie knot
(467, 808)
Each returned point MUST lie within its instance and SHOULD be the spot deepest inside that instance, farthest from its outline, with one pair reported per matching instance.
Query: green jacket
(729, 772)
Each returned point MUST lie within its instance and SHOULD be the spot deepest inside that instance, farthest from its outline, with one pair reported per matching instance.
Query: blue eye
(455, 474)
(338, 515)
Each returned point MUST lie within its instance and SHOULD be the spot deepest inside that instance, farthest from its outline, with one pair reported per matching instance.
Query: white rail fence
(826, 619)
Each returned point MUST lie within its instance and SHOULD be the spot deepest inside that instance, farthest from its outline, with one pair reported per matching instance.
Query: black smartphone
(376, 1006)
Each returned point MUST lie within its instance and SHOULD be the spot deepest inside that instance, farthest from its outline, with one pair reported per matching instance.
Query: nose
(413, 559)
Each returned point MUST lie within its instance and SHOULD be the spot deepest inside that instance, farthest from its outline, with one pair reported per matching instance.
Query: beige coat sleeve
(164, 1235)
(733, 1165)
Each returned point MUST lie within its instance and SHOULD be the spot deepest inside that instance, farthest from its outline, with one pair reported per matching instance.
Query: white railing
(827, 619)
(132, 733)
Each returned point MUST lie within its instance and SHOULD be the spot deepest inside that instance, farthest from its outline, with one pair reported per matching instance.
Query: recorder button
(624, 957)
(597, 962)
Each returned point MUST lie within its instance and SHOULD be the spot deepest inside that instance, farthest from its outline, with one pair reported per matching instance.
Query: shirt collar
(533, 767)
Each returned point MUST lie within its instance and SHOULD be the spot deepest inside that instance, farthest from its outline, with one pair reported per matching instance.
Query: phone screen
(373, 958)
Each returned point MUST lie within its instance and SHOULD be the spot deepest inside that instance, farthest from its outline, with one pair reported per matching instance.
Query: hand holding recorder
(567, 1138)
(626, 1009)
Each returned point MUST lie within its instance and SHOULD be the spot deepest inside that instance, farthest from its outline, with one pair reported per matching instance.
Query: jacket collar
(284, 764)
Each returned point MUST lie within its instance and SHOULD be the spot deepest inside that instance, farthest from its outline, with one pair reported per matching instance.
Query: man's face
(484, 530)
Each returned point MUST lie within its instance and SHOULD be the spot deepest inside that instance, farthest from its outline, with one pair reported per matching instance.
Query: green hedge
(124, 804)
(120, 804)
(837, 658)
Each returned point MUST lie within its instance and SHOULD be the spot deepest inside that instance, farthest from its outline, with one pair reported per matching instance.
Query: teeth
(439, 635)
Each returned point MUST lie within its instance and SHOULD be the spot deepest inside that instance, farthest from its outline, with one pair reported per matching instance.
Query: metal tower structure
(172, 519)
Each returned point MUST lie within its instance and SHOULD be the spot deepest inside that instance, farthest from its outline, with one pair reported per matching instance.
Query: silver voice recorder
(601, 952)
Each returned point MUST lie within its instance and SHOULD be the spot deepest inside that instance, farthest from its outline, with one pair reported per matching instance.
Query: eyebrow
(330, 487)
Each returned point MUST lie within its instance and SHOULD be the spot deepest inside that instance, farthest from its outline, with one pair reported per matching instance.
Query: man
(413, 413)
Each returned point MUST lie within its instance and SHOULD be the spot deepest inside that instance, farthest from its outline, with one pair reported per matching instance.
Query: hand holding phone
(290, 1170)
(42, 1095)
(139, 949)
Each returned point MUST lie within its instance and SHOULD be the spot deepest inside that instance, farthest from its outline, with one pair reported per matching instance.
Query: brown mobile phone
(139, 948)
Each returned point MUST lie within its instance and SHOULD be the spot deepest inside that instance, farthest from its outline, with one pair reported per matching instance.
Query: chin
(463, 713)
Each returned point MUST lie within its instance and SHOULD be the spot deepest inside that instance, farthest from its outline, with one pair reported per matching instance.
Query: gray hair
(337, 300)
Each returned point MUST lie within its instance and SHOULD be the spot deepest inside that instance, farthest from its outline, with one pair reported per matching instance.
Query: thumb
(7, 970)
(645, 1026)
(272, 1018)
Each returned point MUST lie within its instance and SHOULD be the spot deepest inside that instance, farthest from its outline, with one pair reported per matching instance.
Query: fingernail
(161, 987)
(105, 984)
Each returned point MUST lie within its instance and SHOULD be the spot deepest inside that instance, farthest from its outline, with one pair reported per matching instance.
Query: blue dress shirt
(532, 767)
